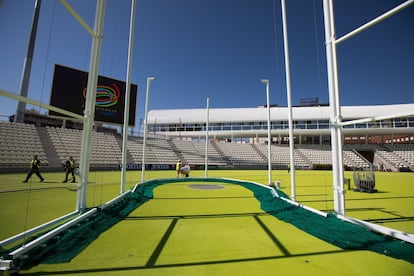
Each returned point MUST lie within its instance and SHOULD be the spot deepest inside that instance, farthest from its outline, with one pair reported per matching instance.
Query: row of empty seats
(156, 151)
(240, 154)
(19, 142)
(105, 149)
(193, 152)
(404, 151)
(281, 155)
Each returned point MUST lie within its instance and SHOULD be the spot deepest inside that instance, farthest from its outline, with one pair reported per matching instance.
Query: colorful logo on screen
(106, 96)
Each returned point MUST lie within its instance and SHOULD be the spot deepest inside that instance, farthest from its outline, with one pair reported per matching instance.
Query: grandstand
(54, 144)
(311, 124)
(18, 144)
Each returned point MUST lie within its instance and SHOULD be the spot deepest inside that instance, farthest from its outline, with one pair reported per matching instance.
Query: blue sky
(216, 48)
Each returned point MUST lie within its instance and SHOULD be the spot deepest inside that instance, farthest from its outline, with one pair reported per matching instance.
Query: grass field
(185, 231)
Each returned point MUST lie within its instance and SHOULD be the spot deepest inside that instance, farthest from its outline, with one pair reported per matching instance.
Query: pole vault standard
(335, 107)
(289, 99)
(336, 117)
(89, 112)
(127, 97)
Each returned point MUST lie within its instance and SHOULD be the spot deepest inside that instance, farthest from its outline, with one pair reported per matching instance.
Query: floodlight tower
(24, 85)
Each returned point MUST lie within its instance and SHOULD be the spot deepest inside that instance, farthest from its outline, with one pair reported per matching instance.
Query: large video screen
(69, 92)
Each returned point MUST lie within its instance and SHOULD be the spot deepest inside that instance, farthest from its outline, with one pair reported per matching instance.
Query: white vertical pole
(289, 98)
(206, 151)
(89, 112)
(335, 118)
(144, 144)
(269, 137)
(127, 97)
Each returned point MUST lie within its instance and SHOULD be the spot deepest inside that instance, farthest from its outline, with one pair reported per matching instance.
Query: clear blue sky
(216, 48)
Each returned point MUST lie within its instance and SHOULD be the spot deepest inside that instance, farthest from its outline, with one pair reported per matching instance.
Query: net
(364, 181)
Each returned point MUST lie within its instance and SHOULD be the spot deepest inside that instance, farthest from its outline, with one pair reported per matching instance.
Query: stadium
(314, 188)
(311, 128)
(235, 141)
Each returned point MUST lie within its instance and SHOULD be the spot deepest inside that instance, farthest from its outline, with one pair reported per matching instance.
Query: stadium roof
(182, 116)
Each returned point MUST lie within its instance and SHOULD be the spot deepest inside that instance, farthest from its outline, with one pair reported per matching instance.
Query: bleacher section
(317, 154)
(105, 150)
(241, 154)
(405, 151)
(193, 152)
(353, 159)
(280, 155)
(158, 151)
(19, 142)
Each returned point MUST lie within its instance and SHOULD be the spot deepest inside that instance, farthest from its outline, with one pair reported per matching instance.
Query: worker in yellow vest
(69, 166)
(178, 168)
(34, 168)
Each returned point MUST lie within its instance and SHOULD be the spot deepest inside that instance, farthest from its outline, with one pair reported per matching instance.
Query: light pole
(269, 138)
(144, 144)
(206, 150)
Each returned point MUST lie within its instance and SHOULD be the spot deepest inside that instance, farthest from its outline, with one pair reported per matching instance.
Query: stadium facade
(311, 124)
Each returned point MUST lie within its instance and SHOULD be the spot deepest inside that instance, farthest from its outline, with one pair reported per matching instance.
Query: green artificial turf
(185, 231)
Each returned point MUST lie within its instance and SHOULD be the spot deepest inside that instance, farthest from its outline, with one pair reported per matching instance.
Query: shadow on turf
(197, 216)
(357, 199)
(152, 260)
(68, 187)
(158, 250)
(132, 268)
(397, 217)
(322, 229)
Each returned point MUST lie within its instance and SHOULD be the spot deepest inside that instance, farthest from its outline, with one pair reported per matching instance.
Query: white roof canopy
(217, 115)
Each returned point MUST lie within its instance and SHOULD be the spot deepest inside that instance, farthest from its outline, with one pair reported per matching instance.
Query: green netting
(68, 244)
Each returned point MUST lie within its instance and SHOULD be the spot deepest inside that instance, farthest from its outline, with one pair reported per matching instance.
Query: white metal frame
(89, 112)
(127, 97)
(336, 117)
(289, 99)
